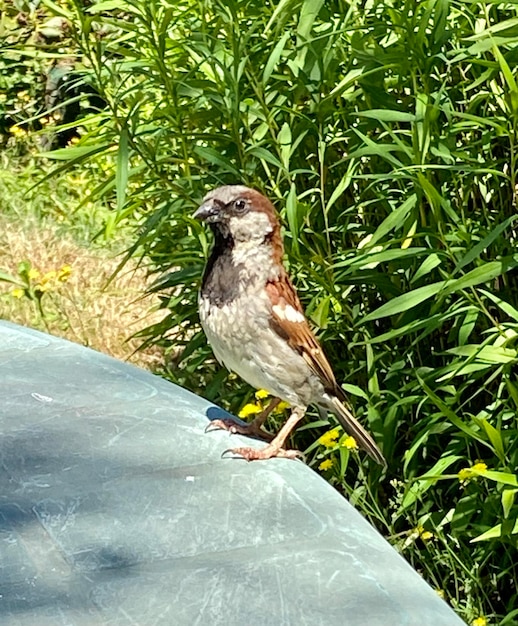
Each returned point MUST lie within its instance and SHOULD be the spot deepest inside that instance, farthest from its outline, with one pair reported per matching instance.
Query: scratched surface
(116, 508)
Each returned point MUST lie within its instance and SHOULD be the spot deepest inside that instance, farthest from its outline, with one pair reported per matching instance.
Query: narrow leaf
(502, 304)
(447, 412)
(385, 115)
(405, 301)
(485, 243)
(275, 56)
(308, 14)
(394, 220)
(121, 177)
(430, 263)
(482, 274)
(76, 152)
(494, 533)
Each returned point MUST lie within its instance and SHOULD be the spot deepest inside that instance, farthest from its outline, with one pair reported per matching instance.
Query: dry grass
(84, 309)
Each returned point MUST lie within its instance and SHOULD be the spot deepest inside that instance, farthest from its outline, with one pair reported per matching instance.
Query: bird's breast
(243, 340)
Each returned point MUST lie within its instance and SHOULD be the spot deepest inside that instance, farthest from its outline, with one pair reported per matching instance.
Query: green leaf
(429, 323)
(468, 324)
(214, 157)
(341, 187)
(475, 252)
(275, 56)
(308, 14)
(108, 5)
(494, 437)
(354, 390)
(385, 115)
(405, 302)
(371, 258)
(447, 412)
(292, 214)
(504, 478)
(75, 152)
(262, 153)
(186, 275)
(394, 220)
(508, 500)
(284, 7)
(57, 9)
(11, 279)
(432, 261)
(284, 140)
(483, 274)
(502, 304)
(421, 485)
(121, 177)
(505, 69)
(494, 533)
(321, 313)
(487, 354)
(350, 78)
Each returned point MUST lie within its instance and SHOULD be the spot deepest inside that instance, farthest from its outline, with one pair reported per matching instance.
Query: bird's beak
(207, 212)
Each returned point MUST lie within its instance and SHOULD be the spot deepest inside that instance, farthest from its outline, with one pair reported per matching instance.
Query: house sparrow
(255, 323)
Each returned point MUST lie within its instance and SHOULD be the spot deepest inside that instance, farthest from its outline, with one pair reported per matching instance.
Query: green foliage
(387, 135)
(30, 37)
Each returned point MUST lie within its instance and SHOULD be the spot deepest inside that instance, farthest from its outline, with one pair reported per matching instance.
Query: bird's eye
(240, 206)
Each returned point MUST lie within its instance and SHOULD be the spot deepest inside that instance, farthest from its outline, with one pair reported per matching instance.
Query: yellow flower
(325, 465)
(64, 273)
(73, 140)
(261, 394)
(33, 274)
(281, 407)
(467, 473)
(330, 438)
(440, 593)
(426, 535)
(17, 293)
(249, 409)
(16, 131)
(479, 621)
(349, 443)
(464, 474)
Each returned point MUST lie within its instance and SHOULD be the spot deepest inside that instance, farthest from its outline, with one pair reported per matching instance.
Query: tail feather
(353, 427)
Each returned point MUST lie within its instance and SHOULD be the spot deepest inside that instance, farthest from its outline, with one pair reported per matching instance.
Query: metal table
(116, 508)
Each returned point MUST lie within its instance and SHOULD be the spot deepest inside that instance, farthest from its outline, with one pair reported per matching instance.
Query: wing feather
(290, 323)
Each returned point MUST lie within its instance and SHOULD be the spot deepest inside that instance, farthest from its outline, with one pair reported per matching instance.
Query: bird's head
(239, 213)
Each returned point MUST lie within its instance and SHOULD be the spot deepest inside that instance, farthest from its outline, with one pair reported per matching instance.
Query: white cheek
(252, 227)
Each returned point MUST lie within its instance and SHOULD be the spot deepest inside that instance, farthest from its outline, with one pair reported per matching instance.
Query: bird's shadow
(217, 413)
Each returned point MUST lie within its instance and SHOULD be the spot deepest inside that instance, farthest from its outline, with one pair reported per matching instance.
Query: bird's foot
(269, 452)
(234, 428)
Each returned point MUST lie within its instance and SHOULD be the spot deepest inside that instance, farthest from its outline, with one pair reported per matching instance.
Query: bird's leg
(275, 447)
(253, 429)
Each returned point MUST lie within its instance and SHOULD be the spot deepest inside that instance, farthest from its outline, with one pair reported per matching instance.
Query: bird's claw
(235, 428)
(255, 454)
(226, 424)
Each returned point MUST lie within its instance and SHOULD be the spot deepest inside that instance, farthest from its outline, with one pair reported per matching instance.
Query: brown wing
(290, 323)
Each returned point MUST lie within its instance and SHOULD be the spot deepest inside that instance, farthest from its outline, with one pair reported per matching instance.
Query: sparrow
(255, 323)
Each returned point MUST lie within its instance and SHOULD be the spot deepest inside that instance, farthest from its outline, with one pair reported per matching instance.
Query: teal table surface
(116, 508)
